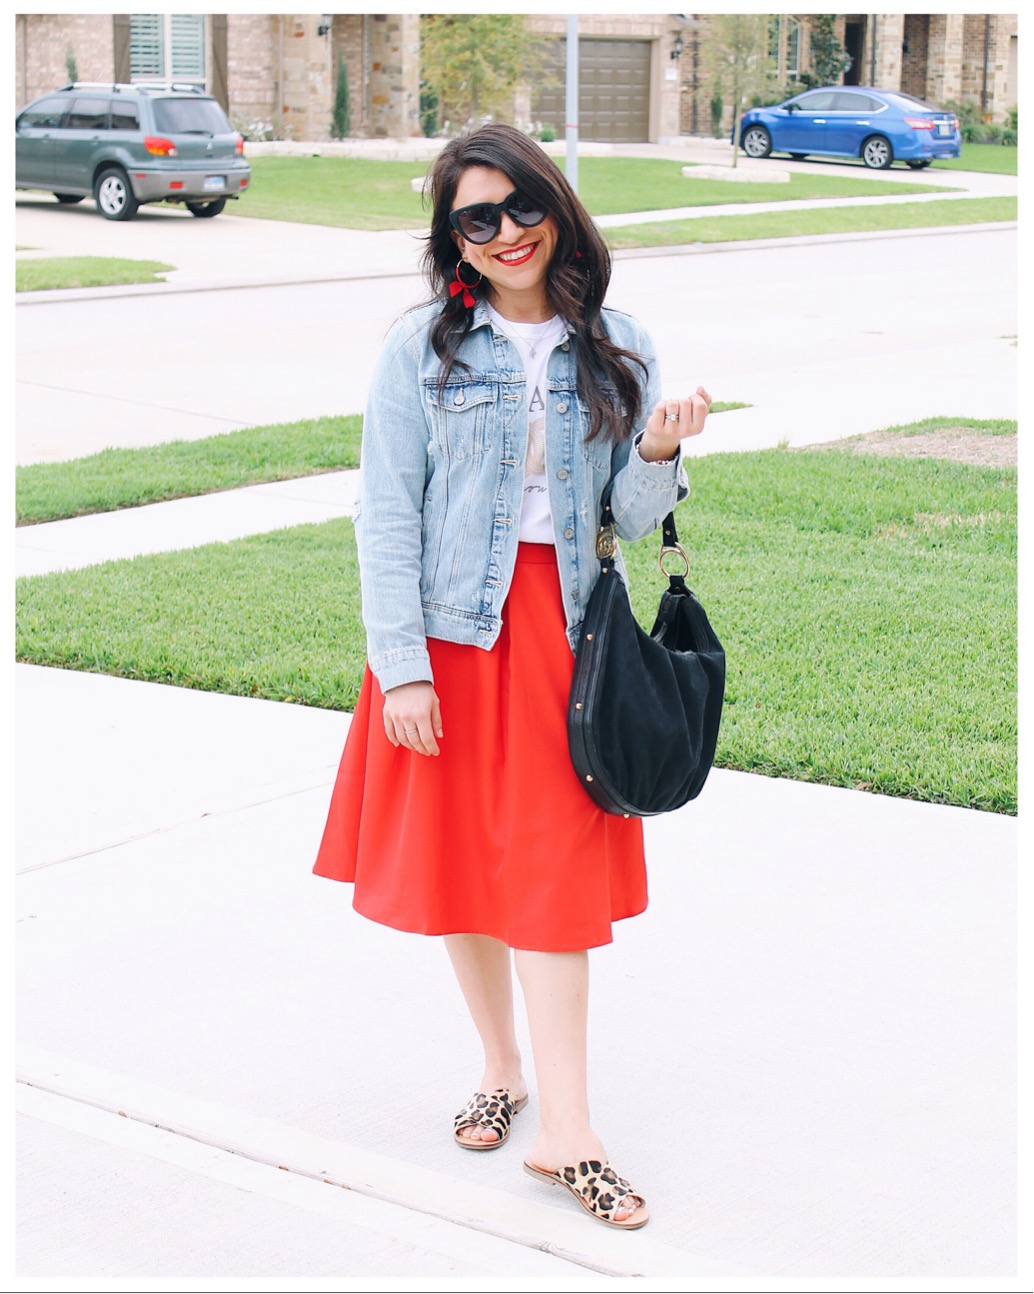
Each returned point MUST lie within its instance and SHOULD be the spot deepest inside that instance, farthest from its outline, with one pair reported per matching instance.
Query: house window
(793, 49)
(784, 46)
(167, 47)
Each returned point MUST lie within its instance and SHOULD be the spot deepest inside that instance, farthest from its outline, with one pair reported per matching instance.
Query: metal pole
(571, 125)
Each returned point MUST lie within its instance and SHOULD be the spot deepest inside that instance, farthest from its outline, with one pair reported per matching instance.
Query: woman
(497, 415)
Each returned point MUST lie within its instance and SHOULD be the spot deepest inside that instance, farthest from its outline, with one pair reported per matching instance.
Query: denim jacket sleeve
(393, 476)
(644, 493)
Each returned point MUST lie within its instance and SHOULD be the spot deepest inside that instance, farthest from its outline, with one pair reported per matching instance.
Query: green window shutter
(147, 44)
(188, 46)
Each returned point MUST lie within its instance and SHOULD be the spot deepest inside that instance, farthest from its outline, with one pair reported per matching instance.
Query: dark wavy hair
(576, 281)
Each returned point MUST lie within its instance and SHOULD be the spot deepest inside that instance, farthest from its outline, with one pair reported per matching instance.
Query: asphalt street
(822, 337)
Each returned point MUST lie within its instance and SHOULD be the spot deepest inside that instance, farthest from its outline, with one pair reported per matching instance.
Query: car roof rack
(179, 86)
(137, 87)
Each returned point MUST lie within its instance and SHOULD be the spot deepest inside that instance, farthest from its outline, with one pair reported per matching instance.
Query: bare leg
(556, 993)
(482, 967)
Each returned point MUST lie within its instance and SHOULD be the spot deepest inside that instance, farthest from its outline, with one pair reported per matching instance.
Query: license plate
(215, 181)
(943, 128)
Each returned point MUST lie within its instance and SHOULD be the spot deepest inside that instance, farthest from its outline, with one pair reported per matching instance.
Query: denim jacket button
(568, 533)
(565, 345)
(562, 474)
(562, 407)
(458, 399)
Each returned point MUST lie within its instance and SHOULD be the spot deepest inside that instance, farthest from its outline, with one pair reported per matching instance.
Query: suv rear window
(88, 114)
(125, 115)
(190, 116)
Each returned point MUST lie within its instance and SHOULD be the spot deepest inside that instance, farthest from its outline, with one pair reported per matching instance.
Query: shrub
(340, 124)
(717, 109)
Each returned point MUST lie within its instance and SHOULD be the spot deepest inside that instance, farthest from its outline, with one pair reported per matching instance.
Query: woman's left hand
(670, 422)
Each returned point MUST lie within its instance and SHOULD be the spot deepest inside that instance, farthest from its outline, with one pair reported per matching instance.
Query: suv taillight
(238, 148)
(919, 123)
(160, 146)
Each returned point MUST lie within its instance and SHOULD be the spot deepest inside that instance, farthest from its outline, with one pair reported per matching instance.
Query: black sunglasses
(481, 221)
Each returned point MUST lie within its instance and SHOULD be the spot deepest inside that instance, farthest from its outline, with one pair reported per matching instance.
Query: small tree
(471, 64)
(742, 47)
(829, 59)
(341, 121)
(70, 64)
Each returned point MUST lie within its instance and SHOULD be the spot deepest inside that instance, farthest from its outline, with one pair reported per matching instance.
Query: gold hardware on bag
(673, 550)
(606, 543)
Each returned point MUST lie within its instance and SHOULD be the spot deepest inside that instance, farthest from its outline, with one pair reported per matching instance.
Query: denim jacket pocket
(462, 417)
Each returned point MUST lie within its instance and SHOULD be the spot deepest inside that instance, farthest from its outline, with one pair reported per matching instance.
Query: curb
(555, 1230)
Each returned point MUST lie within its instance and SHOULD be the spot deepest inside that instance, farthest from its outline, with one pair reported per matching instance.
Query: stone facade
(394, 84)
(281, 68)
(42, 42)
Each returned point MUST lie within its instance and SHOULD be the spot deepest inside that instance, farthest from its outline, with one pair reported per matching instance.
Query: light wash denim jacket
(442, 481)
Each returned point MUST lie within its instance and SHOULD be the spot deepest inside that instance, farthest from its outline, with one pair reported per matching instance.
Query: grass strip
(867, 606)
(126, 478)
(988, 159)
(357, 193)
(822, 220)
(47, 273)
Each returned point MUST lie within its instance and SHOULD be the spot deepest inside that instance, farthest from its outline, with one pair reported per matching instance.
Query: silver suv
(130, 144)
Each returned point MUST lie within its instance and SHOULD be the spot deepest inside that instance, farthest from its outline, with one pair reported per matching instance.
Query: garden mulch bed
(959, 445)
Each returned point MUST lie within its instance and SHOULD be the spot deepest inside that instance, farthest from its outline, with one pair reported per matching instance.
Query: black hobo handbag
(642, 723)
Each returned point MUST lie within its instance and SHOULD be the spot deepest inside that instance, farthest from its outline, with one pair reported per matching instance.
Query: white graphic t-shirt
(534, 343)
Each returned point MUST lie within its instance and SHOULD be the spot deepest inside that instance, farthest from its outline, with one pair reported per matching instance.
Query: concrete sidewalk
(823, 990)
(823, 987)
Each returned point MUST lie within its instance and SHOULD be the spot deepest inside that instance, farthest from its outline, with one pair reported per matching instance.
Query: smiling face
(515, 262)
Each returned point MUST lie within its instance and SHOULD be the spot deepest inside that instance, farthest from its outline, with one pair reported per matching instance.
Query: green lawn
(126, 478)
(357, 193)
(996, 159)
(38, 275)
(823, 220)
(867, 606)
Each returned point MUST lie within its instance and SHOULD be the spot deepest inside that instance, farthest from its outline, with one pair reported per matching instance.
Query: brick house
(642, 76)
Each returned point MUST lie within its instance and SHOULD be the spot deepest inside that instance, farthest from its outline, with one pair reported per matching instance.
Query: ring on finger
(409, 731)
(671, 417)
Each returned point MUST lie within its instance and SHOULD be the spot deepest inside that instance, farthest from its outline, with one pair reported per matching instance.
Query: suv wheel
(114, 196)
(206, 208)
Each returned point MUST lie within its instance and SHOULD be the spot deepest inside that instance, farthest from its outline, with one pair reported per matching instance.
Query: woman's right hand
(413, 717)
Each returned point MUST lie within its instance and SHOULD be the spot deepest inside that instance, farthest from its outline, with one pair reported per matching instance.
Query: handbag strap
(606, 538)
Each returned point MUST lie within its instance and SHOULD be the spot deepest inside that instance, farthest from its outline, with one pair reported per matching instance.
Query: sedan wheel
(756, 141)
(877, 153)
(113, 195)
(206, 208)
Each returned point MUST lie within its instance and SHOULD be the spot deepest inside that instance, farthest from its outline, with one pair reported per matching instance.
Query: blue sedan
(879, 126)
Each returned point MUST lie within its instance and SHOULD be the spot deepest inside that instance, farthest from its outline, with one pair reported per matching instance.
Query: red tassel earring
(458, 285)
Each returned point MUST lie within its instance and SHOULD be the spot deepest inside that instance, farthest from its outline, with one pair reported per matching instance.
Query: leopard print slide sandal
(599, 1190)
(494, 1110)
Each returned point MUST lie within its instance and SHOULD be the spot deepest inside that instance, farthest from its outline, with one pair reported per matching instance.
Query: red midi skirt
(494, 835)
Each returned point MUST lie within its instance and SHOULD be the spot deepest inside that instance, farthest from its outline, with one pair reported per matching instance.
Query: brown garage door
(613, 90)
